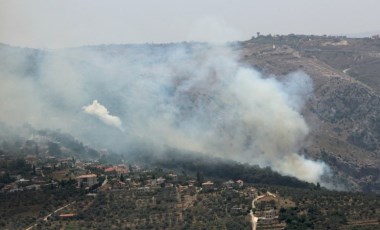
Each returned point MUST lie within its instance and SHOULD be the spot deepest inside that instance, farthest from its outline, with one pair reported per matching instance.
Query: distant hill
(365, 34)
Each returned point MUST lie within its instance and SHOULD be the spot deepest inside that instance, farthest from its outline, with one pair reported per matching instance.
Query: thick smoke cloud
(193, 97)
(102, 113)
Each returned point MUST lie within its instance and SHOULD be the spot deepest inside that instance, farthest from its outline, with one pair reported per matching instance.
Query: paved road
(104, 182)
(254, 220)
(46, 217)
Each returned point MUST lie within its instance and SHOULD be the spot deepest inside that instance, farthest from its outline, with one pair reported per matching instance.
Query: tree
(130, 168)
(5, 178)
(199, 179)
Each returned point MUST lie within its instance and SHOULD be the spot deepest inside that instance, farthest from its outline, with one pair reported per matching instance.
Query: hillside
(343, 114)
(153, 197)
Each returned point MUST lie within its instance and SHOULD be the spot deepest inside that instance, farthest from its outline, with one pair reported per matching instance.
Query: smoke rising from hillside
(102, 113)
(193, 97)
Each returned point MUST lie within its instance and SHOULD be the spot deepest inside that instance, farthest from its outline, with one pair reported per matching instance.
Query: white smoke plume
(101, 112)
(189, 96)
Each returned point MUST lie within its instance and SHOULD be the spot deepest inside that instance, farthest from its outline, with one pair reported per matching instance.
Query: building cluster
(94, 176)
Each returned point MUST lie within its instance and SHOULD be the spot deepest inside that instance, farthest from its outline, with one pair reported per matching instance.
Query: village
(139, 184)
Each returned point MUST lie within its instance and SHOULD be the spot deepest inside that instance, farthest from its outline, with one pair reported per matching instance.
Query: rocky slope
(344, 112)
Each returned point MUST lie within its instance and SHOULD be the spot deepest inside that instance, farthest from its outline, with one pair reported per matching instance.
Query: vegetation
(324, 209)
(218, 168)
(19, 210)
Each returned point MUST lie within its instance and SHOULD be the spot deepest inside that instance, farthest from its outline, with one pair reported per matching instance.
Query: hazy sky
(64, 23)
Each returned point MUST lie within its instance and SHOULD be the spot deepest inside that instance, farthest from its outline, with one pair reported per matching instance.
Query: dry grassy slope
(344, 114)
